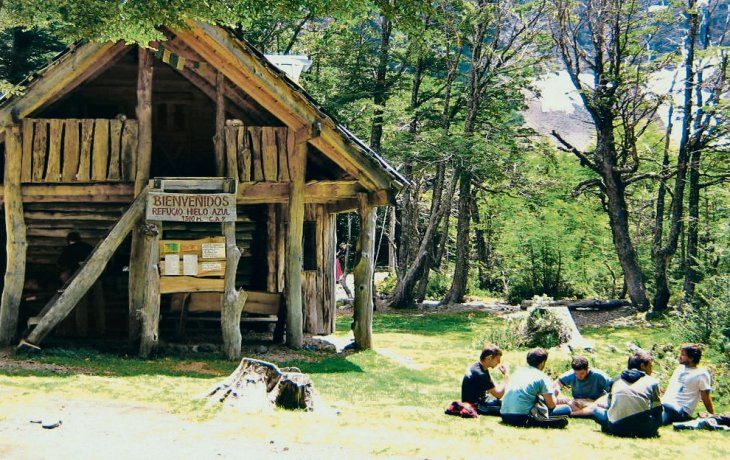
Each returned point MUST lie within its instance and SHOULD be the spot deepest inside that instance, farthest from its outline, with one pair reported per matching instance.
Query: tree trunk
(692, 275)
(463, 246)
(362, 324)
(618, 217)
(294, 317)
(150, 312)
(380, 89)
(139, 251)
(233, 301)
(481, 244)
(16, 244)
(392, 250)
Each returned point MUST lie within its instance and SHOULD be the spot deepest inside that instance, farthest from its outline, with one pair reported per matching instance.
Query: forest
(498, 205)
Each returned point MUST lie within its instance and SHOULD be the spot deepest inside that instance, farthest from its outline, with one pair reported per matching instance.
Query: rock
(319, 344)
(52, 425)
(261, 349)
(431, 303)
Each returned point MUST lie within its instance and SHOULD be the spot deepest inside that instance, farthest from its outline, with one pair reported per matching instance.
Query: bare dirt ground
(105, 429)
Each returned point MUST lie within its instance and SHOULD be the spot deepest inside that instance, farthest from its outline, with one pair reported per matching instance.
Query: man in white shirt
(687, 386)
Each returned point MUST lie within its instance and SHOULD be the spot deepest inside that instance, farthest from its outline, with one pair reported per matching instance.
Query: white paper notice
(213, 250)
(211, 267)
(172, 265)
(190, 264)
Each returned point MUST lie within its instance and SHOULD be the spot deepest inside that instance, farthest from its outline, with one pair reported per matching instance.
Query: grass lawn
(384, 402)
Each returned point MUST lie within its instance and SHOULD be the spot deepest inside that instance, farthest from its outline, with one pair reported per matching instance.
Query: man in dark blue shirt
(477, 382)
(587, 385)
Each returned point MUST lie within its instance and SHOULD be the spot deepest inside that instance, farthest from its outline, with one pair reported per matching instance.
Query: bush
(507, 336)
(543, 328)
(386, 287)
(437, 286)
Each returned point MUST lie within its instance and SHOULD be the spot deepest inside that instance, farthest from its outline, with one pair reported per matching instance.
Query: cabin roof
(353, 147)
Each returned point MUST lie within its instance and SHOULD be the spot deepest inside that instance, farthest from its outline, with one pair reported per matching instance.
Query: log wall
(78, 150)
(318, 285)
(261, 152)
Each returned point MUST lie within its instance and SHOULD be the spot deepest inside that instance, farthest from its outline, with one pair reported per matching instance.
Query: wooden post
(297, 168)
(16, 244)
(89, 272)
(362, 324)
(220, 125)
(140, 251)
(150, 312)
(233, 300)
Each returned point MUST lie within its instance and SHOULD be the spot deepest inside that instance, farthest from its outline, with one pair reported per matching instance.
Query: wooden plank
(269, 154)
(86, 144)
(173, 284)
(257, 167)
(310, 293)
(86, 276)
(329, 303)
(129, 150)
(55, 138)
(115, 145)
(232, 152)
(282, 149)
(100, 156)
(271, 247)
(15, 244)
(70, 150)
(244, 152)
(281, 233)
(40, 150)
(27, 159)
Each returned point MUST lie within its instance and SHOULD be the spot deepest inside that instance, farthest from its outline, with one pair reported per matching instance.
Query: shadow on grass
(334, 365)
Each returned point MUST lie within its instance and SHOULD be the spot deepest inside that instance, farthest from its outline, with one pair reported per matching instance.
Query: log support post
(294, 251)
(362, 324)
(140, 248)
(271, 248)
(219, 141)
(233, 300)
(150, 312)
(16, 244)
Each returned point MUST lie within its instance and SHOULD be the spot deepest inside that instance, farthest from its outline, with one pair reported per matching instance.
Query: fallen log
(596, 304)
(258, 385)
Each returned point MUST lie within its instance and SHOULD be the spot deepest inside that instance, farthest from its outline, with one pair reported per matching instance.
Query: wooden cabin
(91, 131)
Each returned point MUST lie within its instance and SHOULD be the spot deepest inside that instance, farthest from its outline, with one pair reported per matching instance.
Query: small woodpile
(257, 384)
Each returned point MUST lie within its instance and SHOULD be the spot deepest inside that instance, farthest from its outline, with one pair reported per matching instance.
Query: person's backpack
(459, 409)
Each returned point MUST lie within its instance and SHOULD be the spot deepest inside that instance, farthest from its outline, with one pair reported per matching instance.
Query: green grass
(386, 407)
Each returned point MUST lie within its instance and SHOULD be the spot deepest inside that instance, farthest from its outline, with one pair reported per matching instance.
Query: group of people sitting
(628, 405)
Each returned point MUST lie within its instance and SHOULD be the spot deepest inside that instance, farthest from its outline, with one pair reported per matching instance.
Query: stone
(261, 349)
(208, 348)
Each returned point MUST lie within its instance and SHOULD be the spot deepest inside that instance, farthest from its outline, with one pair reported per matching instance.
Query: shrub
(437, 286)
(543, 328)
(508, 336)
(386, 286)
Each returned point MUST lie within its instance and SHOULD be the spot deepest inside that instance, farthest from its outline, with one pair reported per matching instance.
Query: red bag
(464, 410)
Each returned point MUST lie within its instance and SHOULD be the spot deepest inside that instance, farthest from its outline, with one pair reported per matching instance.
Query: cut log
(16, 244)
(596, 304)
(257, 385)
(89, 272)
(294, 252)
(150, 312)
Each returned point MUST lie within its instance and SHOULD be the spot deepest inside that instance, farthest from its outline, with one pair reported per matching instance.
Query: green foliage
(386, 286)
(438, 284)
(707, 319)
(507, 335)
(543, 328)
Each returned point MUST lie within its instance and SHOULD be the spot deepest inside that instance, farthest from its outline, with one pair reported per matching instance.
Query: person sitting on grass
(528, 398)
(634, 408)
(588, 387)
(687, 386)
(477, 382)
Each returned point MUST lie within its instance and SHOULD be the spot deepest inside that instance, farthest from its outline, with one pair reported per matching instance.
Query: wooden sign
(190, 207)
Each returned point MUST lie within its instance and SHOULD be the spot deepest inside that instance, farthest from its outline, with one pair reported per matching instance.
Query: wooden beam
(150, 312)
(271, 248)
(220, 124)
(73, 193)
(232, 301)
(362, 324)
(89, 272)
(61, 77)
(294, 252)
(16, 244)
(314, 191)
(140, 250)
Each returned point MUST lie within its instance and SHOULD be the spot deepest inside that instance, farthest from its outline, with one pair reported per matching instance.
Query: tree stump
(256, 385)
